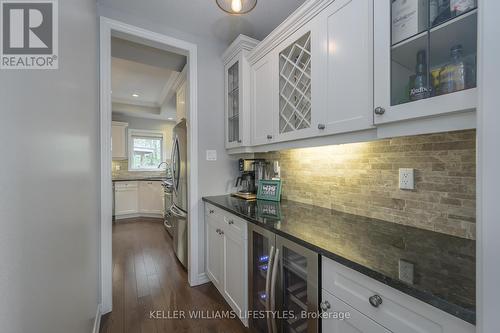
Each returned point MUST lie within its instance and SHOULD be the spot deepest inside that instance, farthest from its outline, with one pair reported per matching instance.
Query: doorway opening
(120, 45)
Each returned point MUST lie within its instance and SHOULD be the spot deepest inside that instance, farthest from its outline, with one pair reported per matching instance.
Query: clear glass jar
(453, 76)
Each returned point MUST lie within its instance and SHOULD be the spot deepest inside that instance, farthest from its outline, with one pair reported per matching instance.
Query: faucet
(166, 164)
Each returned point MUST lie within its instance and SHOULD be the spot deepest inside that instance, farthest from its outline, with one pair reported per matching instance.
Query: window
(146, 150)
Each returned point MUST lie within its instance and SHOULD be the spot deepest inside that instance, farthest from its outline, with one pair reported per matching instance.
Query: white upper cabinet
(237, 92)
(119, 140)
(264, 100)
(428, 66)
(346, 66)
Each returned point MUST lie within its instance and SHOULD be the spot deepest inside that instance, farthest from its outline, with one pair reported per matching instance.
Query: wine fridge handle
(274, 279)
(268, 286)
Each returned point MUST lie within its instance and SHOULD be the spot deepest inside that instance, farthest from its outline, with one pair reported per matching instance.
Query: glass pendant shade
(236, 6)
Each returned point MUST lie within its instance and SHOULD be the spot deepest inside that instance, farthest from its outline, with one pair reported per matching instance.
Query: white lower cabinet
(136, 198)
(151, 197)
(342, 318)
(215, 251)
(393, 311)
(227, 261)
(126, 198)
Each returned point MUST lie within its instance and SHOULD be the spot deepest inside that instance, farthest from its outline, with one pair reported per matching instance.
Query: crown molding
(297, 19)
(241, 43)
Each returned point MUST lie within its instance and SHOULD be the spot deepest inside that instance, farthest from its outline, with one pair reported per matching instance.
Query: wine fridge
(283, 284)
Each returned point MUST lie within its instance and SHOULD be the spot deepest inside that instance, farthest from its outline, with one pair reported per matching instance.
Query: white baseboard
(97, 320)
(129, 216)
(202, 278)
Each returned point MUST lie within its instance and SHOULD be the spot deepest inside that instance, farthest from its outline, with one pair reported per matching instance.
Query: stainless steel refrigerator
(283, 276)
(179, 208)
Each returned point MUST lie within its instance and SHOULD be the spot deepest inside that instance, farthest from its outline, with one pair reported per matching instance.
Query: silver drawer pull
(321, 126)
(379, 110)
(269, 136)
(325, 306)
(375, 301)
(211, 211)
(230, 222)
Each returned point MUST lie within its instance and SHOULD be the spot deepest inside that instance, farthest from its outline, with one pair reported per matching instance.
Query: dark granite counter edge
(453, 309)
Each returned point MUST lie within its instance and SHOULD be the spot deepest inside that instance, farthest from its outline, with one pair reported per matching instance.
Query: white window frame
(145, 133)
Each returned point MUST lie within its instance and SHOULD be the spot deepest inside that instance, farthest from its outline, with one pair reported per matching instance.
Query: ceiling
(143, 80)
(147, 82)
(204, 18)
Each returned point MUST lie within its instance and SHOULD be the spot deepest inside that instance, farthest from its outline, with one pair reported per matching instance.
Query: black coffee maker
(246, 182)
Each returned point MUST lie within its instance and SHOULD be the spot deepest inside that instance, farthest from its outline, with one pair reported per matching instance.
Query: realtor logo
(29, 34)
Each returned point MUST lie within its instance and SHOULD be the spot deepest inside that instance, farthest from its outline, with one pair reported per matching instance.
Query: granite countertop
(444, 266)
(135, 179)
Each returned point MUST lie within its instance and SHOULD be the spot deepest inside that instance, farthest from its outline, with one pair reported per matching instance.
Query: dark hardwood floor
(147, 277)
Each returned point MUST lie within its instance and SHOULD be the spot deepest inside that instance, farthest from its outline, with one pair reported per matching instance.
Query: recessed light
(135, 95)
(170, 118)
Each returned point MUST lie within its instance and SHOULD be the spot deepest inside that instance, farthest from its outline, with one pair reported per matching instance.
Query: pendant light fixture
(236, 7)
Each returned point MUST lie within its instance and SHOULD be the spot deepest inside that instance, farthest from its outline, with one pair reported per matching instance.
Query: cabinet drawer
(398, 311)
(125, 185)
(230, 222)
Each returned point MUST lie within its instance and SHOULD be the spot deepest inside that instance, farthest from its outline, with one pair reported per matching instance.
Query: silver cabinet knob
(230, 222)
(211, 211)
(375, 301)
(269, 136)
(321, 126)
(379, 110)
(217, 231)
(325, 306)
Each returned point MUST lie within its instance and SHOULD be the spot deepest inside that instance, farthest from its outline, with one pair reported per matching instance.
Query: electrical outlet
(406, 271)
(211, 155)
(407, 179)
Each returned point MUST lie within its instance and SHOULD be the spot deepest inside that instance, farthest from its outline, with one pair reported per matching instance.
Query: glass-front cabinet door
(233, 118)
(425, 58)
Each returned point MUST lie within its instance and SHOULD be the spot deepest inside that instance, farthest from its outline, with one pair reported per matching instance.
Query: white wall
(214, 177)
(49, 197)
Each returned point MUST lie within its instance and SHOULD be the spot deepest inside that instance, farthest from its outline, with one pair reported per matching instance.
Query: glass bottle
(419, 88)
(452, 76)
(444, 12)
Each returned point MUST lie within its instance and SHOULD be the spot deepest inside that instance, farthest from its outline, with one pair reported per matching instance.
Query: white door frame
(488, 182)
(109, 28)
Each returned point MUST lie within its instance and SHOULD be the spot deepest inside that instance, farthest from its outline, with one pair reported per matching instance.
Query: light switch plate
(211, 155)
(407, 179)
(406, 271)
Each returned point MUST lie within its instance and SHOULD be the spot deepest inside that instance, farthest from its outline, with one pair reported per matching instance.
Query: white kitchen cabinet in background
(126, 194)
(138, 198)
(151, 197)
(119, 140)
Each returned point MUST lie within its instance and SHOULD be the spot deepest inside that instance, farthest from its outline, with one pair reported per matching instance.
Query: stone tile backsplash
(123, 172)
(363, 179)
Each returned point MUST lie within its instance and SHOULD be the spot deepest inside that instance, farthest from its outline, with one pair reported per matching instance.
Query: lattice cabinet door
(295, 86)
